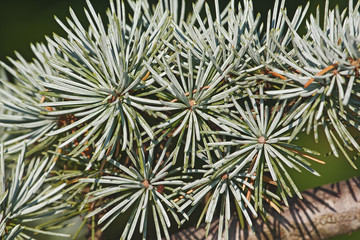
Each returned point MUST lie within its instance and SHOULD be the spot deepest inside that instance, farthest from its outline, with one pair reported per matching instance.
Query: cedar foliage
(159, 113)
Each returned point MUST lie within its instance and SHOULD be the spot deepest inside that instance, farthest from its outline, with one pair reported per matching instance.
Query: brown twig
(322, 72)
(305, 155)
(278, 75)
(146, 76)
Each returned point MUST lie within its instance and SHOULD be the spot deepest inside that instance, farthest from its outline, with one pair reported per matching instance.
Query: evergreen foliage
(158, 112)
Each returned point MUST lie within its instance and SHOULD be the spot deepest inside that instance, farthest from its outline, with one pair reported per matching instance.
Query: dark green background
(24, 22)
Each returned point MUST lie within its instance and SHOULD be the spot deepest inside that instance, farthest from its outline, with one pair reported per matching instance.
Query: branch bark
(324, 212)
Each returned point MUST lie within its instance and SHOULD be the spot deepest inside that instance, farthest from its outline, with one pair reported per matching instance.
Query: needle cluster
(158, 114)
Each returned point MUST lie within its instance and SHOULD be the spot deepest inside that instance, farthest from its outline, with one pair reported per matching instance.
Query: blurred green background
(27, 21)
